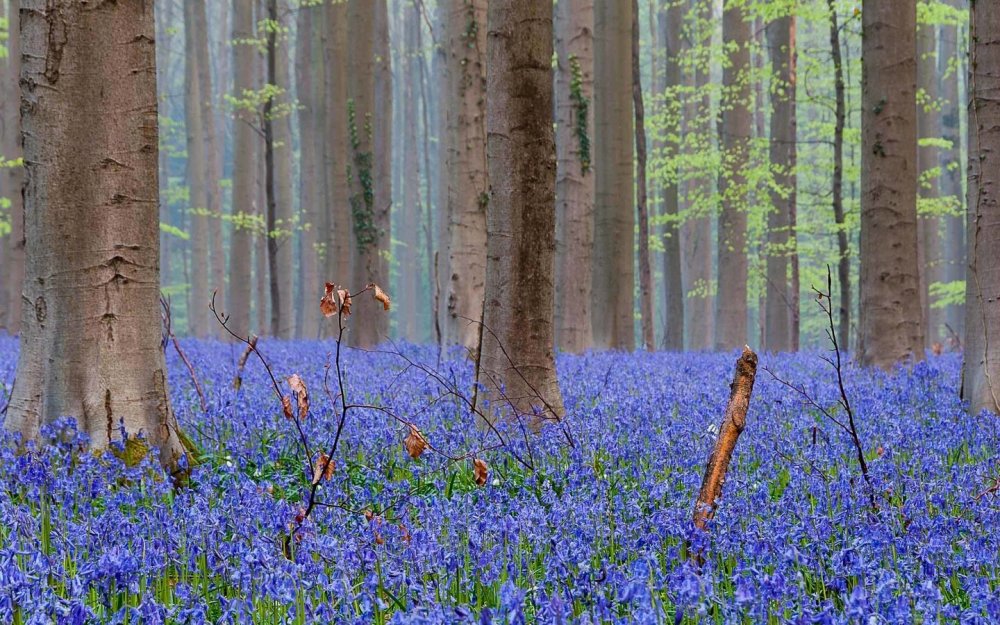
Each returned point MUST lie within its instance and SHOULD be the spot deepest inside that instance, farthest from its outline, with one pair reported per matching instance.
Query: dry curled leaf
(286, 407)
(415, 443)
(345, 302)
(380, 296)
(301, 394)
(481, 471)
(328, 305)
(323, 468)
(405, 533)
(369, 515)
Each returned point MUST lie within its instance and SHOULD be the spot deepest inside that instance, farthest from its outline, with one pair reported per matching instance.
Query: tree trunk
(574, 93)
(612, 298)
(409, 266)
(430, 187)
(843, 250)
(13, 178)
(466, 167)
(696, 232)
(981, 368)
(670, 22)
(306, 86)
(283, 234)
(199, 294)
(891, 328)
(642, 209)
(952, 168)
(736, 129)
(339, 234)
(244, 172)
(782, 305)
(519, 306)
(91, 335)
(929, 224)
(368, 125)
(270, 193)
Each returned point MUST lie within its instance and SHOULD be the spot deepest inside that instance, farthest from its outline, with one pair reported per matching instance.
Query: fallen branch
(732, 426)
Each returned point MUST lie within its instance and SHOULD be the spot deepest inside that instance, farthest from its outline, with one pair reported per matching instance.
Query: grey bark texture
(891, 327)
(670, 22)
(91, 336)
(516, 359)
(12, 180)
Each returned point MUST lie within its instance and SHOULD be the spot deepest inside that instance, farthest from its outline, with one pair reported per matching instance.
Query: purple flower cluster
(597, 533)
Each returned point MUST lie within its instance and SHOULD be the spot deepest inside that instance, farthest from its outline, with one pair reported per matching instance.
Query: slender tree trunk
(409, 265)
(13, 179)
(521, 214)
(244, 172)
(440, 72)
(197, 169)
(642, 209)
(614, 214)
(284, 232)
(843, 249)
(981, 367)
(574, 93)
(91, 336)
(383, 165)
(339, 247)
(930, 226)
(427, 293)
(782, 307)
(365, 128)
(670, 22)
(736, 128)
(306, 83)
(696, 232)
(269, 184)
(891, 328)
(949, 69)
(466, 166)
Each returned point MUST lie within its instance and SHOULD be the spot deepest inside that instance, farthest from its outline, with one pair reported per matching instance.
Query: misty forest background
(739, 117)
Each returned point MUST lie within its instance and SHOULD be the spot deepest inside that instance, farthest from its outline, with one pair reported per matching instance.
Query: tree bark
(612, 298)
(519, 305)
(981, 367)
(732, 426)
(574, 93)
(283, 234)
(642, 209)
(307, 94)
(466, 169)
(91, 337)
(383, 167)
(199, 294)
(409, 274)
(929, 225)
(891, 328)
(952, 166)
(339, 234)
(698, 273)
(837, 191)
(13, 178)
(670, 22)
(244, 172)
(736, 127)
(781, 315)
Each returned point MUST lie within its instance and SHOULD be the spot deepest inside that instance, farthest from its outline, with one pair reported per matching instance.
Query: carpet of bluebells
(598, 532)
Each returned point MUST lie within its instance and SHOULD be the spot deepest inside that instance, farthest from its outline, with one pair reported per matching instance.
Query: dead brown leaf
(328, 305)
(301, 394)
(481, 471)
(345, 301)
(380, 296)
(415, 443)
(286, 407)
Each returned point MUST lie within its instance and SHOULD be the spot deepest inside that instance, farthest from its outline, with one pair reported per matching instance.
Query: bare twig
(168, 329)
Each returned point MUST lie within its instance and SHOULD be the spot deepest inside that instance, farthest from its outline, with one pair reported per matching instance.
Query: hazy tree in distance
(408, 289)
(891, 328)
(669, 25)
(574, 93)
(642, 195)
(11, 178)
(837, 181)
(981, 369)
(517, 357)
(308, 84)
(951, 65)
(613, 298)
(91, 337)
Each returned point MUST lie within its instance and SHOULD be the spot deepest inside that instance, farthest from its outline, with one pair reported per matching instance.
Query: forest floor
(597, 532)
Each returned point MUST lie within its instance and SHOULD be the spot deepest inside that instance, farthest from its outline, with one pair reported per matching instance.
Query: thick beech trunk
(516, 360)
(91, 336)
(891, 328)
